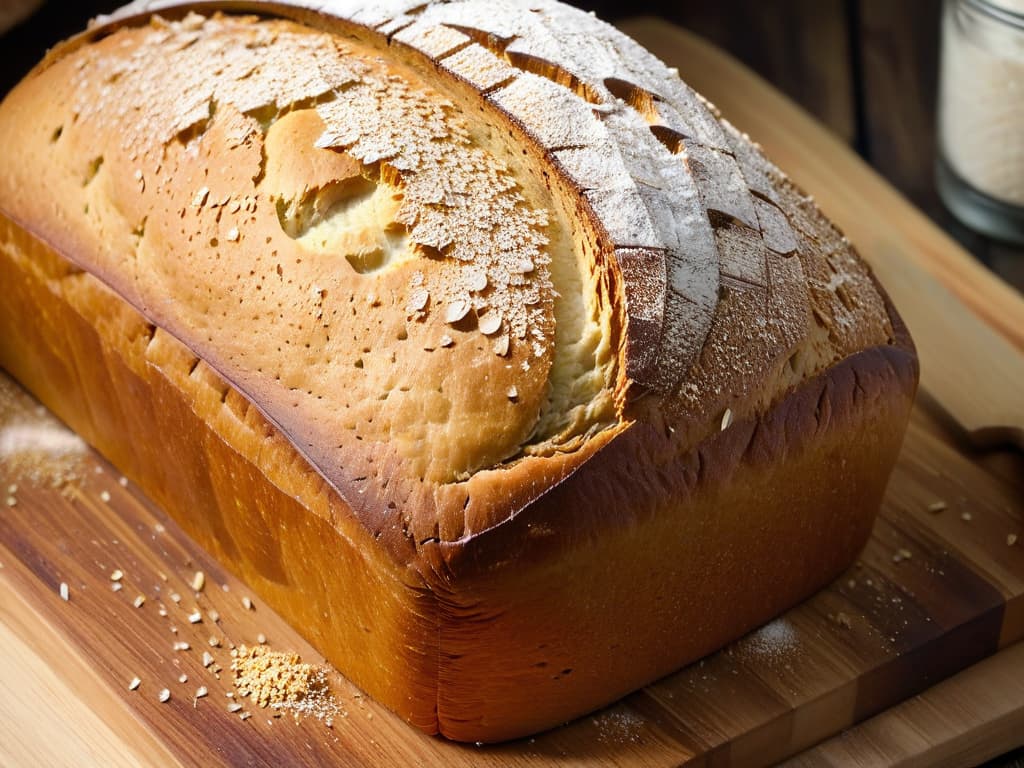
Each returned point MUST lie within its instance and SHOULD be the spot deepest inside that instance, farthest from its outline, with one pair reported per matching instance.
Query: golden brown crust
(484, 317)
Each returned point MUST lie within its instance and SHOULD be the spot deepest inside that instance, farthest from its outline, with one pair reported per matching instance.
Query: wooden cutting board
(933, 593)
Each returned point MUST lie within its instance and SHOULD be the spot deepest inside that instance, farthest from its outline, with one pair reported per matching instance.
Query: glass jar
(980, 169)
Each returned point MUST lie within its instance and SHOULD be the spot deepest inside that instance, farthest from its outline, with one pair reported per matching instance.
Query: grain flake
(165, 696)
(134, 684)
(65, 592)
(198, 581)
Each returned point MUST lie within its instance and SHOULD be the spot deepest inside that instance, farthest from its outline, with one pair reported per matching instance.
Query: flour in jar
(981, 109)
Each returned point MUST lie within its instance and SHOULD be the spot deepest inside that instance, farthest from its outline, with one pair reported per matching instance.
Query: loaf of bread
(475, 341)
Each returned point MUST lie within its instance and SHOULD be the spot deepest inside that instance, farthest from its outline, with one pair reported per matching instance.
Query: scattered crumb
(165, 696)
(175, 597)
(1011, 539)
(195, 617)
(232, 235)
(207, 659)
(12, 488)
(159, 528)
(105, 496)
(247, 603)
(244, 716)
(726, 419)
(234, 706)
(10, 501)
(139, 600)
(214, 641)
(213, 616)
(852, 583)
(842, 620)
(34, 445)
(261, 639)
(966, 516)
(201, 692)
(134, 684)
(116, 575)
(183, 678)
(937, 506)
(162, 611)
(116, 586)
(122, 481)
(198, 581)
(65, 592)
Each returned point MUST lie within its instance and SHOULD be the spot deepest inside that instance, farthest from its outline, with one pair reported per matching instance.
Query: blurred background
(868, 69)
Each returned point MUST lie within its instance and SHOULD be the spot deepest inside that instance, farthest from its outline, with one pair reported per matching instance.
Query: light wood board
(881, 633)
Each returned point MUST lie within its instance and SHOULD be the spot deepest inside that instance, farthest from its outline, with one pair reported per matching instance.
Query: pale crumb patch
(281, 681)
(134, 684)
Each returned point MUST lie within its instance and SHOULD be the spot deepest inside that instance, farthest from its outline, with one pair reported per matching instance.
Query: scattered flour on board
(34, 445)
(772, 642)
(618, 726)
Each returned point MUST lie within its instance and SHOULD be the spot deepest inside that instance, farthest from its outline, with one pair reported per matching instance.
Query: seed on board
(246, 603)
(105, 496)
(726, 419)
(139, 600)
(134, 684)
(117, 575)
(207, 659)
(65, 593)
(490, 323)
(198, 581)
(165, 696)
(456, 311)
(195, 617)
(937, 506)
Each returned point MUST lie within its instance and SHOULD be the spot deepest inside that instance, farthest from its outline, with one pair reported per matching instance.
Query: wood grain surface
(933, 593)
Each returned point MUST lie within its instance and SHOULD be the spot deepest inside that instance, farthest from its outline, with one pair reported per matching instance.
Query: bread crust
(755, 396)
